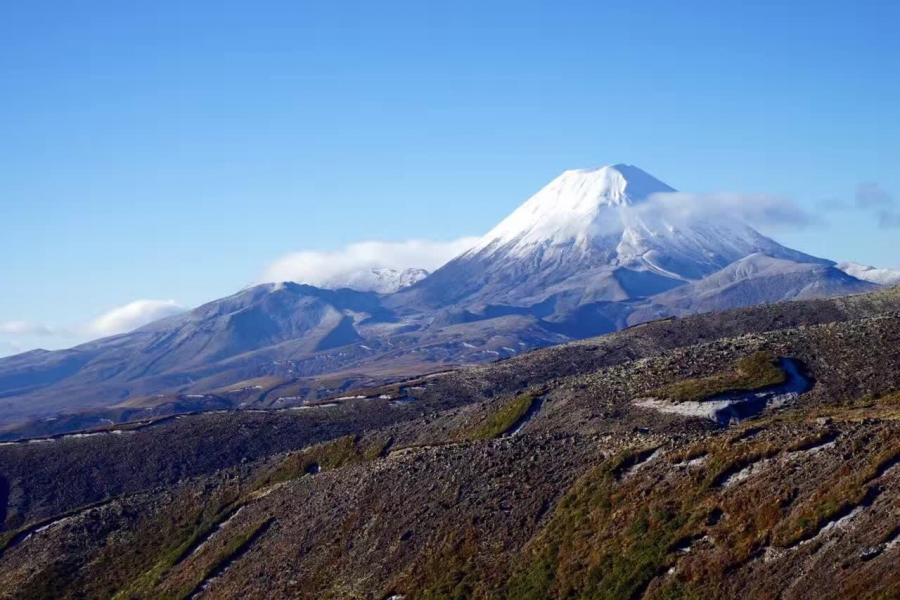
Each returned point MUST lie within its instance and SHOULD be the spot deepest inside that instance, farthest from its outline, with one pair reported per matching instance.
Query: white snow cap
(568, 207)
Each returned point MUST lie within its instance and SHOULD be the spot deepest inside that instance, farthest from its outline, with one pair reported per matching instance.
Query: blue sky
(172, 150)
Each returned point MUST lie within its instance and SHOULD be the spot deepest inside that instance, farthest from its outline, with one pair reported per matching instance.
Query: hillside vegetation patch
(335, 454)
(504, 418)
(600, 543)
(758, 371)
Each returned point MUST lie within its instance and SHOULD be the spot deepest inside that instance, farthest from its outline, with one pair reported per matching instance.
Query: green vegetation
(761, 370)
(888, 400)
(335, 454)
(159, 542)
(600, 543)
(892, 400)
(675, 589)
(235, 547)
(504, 418)
(168, 540)
(142, 567)
(450, 574)
(837, 499)
(727, 462)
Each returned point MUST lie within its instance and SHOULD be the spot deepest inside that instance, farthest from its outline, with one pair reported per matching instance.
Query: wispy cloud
(771, 212)
(889, 219)
(129, 317)
(120, 319)
(870, 195)
(24, 328)
(872, 200)
(318, 267)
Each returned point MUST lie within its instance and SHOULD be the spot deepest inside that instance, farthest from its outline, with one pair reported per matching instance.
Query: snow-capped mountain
(600, 235)
(871, 274)
(378, 280)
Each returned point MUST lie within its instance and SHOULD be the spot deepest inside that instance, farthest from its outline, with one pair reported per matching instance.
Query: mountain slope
(178, 349)
(598, 234)
(755, 279)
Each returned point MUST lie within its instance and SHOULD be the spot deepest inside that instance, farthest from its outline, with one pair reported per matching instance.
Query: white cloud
(24, 328)
(18, 336)
(873, 200)
(131, 316)
(316, 267)
(756, 209)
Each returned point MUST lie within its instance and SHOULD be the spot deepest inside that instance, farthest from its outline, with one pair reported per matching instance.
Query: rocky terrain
(580, 470)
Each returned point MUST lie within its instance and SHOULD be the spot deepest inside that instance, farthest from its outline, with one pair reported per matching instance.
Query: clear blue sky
(172, 149)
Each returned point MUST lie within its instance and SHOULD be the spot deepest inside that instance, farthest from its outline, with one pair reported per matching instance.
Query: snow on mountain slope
(381, 281)
(608, 214)
(871, 274)
(755, 279)
(569, 208)
(596, 235)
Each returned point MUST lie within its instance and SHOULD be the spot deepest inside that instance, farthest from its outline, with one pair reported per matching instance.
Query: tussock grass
(335, 454)
(504, 418)
(812, 441)
(599, 543)
(167, 541)
(837, 499)
(233, 550)
(755, 372)
(727, 462)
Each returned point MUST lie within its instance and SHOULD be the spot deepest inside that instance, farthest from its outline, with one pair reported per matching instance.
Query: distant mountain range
(590, 253)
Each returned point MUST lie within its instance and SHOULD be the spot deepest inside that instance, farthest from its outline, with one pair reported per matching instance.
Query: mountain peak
(569, 207)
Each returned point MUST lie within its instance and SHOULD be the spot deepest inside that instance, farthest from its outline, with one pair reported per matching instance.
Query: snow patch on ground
(218, 528)
(745, 473)
(731, 408)
(639, 466)
(311, 406)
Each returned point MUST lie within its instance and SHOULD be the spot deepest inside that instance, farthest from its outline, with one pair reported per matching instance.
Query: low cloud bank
(315, 267)
(122, 319)
(24, 328)
(759, 210)
(129, 317)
